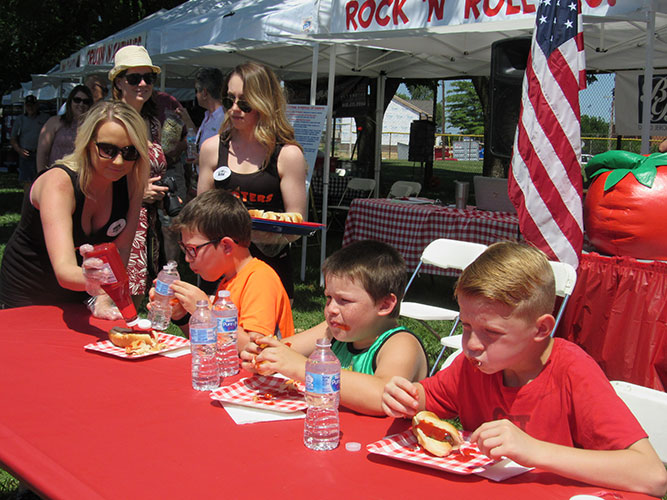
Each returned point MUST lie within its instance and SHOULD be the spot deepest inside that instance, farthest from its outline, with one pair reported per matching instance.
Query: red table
(79, 424)
(411, 227)
(618, 314)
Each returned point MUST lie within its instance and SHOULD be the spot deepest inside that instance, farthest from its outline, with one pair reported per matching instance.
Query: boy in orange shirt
(215, 234)
(538, 400)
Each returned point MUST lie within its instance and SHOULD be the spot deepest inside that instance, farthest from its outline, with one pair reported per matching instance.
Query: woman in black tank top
(91, 196)
(255, 155)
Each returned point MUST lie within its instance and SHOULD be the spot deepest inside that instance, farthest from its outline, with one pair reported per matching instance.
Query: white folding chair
(650, 408)
(357, 187)
(445, 254)
(399, 189)
(565, 278)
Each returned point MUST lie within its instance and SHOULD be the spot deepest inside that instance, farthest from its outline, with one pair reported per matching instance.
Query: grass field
(309, 299)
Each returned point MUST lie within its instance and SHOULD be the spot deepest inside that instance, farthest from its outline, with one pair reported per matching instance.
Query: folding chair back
(565, 278)
(360, 187)
(650, 408)
(445, 254)
(399, 189)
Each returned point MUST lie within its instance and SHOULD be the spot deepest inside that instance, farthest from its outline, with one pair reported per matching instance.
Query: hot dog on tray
(279, 216)
(436, 436)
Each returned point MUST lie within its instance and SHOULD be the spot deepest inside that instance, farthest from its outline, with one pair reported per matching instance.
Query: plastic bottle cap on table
(352, 446)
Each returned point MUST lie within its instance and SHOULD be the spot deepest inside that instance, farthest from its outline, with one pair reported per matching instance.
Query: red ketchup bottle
(118, 287)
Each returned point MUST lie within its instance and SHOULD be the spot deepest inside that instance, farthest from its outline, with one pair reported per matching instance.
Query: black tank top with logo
(259, 190)
(26, 275)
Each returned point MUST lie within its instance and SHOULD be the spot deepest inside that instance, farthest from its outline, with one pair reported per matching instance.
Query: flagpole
(648, 77)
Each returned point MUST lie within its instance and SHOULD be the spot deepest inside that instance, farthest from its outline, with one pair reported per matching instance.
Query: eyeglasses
(110, 151)
(135, 78)
(193, 251)
(79, 100)
(228, 103)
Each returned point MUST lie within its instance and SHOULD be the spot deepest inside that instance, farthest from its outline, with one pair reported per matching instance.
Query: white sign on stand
(308, 122)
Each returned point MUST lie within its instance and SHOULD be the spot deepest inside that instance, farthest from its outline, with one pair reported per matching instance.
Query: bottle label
(163, 288)
(203, 336)
(322, 383)
(227, 324)
(108, 277)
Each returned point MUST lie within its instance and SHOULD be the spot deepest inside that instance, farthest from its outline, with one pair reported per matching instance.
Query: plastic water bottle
(161, 306)
(322, 428)
(227, 317)
(191, 151)
(205, 373)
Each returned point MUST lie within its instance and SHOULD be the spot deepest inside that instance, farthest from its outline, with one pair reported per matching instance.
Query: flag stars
(569, 24)
(573, 6)
(543, 19)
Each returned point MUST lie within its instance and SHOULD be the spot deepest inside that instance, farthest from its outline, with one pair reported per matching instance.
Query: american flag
(545, 182)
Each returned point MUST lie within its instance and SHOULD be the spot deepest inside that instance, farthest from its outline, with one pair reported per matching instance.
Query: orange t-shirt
(261, 299)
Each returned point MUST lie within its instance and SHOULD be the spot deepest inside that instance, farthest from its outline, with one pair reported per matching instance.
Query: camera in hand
(171, 202)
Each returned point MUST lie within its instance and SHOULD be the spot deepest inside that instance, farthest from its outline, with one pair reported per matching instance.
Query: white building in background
(395, 126)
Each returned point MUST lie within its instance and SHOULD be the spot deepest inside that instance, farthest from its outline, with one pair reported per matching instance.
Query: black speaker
(508, 65)
(422, 140)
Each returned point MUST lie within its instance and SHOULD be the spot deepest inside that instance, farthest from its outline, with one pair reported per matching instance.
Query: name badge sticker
(222, 173)
(116, 227)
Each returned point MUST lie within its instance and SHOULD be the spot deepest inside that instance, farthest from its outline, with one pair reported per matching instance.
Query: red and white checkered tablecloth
(411, 227)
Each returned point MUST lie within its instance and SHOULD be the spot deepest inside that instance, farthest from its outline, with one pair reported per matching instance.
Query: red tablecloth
(618, 314)
(411, 227)
(80, 424)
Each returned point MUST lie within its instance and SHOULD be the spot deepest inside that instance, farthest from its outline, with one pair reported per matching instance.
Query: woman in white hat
(92, 195)
(255, 155)
(132, 79)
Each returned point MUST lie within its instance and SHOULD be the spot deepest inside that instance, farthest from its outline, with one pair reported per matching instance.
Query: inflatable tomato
(625, 207)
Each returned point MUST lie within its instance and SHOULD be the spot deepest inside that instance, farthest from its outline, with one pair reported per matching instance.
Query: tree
(464, 110)
(594, 126)
(35, 35)
(420, 92)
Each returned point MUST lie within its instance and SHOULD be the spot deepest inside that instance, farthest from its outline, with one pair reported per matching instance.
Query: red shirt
(570, 402)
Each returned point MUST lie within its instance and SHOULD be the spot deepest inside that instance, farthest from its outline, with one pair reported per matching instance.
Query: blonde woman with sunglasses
(133, 78)
(255, 154)
(91, 196)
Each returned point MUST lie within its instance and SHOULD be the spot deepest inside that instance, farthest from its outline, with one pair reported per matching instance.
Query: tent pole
(163, 78)
(313, 95)
(648, 76)
(327, 154)
(379, 114)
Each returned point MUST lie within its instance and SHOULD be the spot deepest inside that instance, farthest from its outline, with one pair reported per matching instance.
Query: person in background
(98, 85)
(57, 136)
(92, 195)
(256, 156)
(538, 400)
(364, 284)
(133, 77)
(208, 91)
(214, 233)
(24, 139)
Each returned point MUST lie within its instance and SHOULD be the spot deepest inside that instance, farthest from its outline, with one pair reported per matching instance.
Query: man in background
(25, 134)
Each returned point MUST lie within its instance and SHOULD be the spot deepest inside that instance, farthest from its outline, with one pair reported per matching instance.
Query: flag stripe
(545, 184)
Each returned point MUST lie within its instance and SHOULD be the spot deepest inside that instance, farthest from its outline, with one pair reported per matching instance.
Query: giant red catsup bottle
(118, 287)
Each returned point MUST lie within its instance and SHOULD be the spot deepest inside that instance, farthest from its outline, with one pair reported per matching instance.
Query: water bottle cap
(352, 446)
(140, 324)
(172, 264)
(203, 303)
(224, 293)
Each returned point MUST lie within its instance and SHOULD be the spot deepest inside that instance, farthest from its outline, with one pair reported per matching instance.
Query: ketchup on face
(118, 288)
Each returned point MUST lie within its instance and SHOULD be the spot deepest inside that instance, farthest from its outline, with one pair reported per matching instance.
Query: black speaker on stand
(508, 65)
(422, 140)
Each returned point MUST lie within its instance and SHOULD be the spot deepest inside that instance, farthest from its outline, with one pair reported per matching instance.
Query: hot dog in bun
(123, 337)
(435, 435)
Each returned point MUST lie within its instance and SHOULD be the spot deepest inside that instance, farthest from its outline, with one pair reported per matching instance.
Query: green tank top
(363, 361)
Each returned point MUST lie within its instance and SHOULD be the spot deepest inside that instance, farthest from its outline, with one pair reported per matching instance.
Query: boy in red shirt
(540, 401)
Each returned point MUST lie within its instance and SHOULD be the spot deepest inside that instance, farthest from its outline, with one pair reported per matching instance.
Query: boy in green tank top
(365, 282)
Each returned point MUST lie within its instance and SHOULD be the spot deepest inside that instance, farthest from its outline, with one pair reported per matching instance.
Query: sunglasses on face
(228, 103)
(135, 78)
(193, 251)
(110, 151)
(79, 100)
